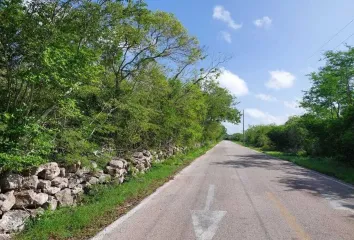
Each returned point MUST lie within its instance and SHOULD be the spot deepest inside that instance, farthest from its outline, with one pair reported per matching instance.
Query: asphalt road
(233, 192)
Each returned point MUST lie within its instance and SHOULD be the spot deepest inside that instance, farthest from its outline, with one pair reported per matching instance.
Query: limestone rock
(13, 221)
(81, 172)
(65, 198)
(48, 171)
(121, 180)
(121, 163)
(11, 181)
(74, 181)
(78, 189)
(41, 198)
(52, 190)
(30, 182)
(60, 182)
(121, 172)
(140, 166)
(7, 201)
(110, 170)
(5, 236)
(93, 180)
(146, 153)
(28, 199)
(44, 184)
(138, 155)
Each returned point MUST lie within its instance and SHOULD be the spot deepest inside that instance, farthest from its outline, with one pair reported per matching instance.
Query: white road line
(210, 197)
(206, 222)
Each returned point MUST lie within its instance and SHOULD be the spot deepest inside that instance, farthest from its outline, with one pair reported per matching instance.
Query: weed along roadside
(325, 166)
(105, 203)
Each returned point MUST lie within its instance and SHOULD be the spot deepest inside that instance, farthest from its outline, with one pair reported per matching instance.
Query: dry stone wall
(50, 186)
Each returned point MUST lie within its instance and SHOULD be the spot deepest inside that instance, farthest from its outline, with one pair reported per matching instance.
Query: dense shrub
(235, 137)
(258, 136)
(84, 80)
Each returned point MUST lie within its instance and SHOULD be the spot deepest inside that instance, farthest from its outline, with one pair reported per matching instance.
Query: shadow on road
(293, 177)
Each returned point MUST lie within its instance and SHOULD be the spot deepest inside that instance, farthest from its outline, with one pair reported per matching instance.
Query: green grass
(105, 204)
(326, 166)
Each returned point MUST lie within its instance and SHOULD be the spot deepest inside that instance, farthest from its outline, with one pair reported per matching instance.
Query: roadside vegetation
(83, 81)
(105, 203)
(323, 138)
(327, 166)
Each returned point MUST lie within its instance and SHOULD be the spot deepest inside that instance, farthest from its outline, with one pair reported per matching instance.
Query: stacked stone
(141, 161)
(49, 186)
(161, 155)
(117, 169)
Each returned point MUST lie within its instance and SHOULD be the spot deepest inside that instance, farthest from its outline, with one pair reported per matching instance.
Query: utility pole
(243, 123)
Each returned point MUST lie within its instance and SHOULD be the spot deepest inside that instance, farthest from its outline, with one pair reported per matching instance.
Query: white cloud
(226, 36)
(220, 13)
(264, 117)
(266, 97)
(233, 83)
(280, 79)
(264, 22)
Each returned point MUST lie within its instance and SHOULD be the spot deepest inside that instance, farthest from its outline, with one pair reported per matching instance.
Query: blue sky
(270, 43)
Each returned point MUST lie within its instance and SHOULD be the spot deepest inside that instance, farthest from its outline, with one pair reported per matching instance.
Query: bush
(238, 137)
(258, 136)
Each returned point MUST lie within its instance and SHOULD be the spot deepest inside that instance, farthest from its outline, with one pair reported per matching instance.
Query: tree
(333, 86)
(85, 80)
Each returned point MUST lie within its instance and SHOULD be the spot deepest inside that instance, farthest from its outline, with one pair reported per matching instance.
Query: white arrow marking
(206, 222)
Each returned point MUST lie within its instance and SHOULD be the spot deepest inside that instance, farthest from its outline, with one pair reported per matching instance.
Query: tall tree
(333, 85)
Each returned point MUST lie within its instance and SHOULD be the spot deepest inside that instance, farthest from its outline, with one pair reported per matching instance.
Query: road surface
(233, 192)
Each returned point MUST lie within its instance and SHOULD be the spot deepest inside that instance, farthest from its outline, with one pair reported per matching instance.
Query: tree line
(86, 80)
(327, 127)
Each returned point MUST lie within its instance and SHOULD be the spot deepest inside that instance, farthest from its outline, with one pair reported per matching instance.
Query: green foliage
(332, 88)
(290, 137)
(327, 129)
(81, 81)
(237, 137)
(258, 136)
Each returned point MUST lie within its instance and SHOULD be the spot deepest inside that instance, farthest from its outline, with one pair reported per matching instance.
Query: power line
(332, 39)
(344, 41)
